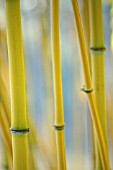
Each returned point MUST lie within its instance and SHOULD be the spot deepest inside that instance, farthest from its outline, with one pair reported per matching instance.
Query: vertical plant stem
(97, 54)
(86, 29)
(17, 85)
(86, 25)
(59, 115)
(5, 132)
(88, 89)
(4, 125)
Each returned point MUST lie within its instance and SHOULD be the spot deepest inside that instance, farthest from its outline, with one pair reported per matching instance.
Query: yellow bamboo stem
(59, 115)
(17, 85)
(5, 118)
(5, 132)
(88, 88)
(5, 100)
(97, 54)
(4, 73)
(86, 29)
(86, 25)
(5, 114)
(8, 159)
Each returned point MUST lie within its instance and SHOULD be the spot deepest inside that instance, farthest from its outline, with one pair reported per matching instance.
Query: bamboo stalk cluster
(97, 102)
(94, 87)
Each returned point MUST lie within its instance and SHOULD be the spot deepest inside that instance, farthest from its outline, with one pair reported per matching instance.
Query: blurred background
(36, 29)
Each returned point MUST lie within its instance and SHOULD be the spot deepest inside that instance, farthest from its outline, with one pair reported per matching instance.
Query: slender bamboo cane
(8, 159)
(19, 126)
(86, 29)
(4, 73)
(97, 54)
(86, 25)
(5, 114)
(59, 116)
(5, 100)
(88, 89)
(5, 132)
(5, 118)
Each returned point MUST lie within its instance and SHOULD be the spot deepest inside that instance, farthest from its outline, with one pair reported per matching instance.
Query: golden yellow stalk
(86, 25)
(4, 73)
(89, 90)
(5, 118)
(5, 132)
(5, 99)
(19, 126)
(5, 114)
(59, 115)
(86, 29)
(8, 159)
(97, 54)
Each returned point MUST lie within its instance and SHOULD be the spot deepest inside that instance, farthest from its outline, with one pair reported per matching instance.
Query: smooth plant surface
(56, 83)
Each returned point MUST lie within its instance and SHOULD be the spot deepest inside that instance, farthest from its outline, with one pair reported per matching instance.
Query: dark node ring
(19, 131)
(98, 50)
(86, 91)
(59, 127)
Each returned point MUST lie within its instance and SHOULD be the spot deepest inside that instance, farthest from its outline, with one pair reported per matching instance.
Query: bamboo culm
(97, 55)
(59, 115)
(19, 127)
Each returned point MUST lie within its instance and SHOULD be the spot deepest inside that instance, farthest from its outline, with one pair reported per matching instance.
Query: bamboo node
(97, 50)
(59, 127)
(85, 90)
(19, 131)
